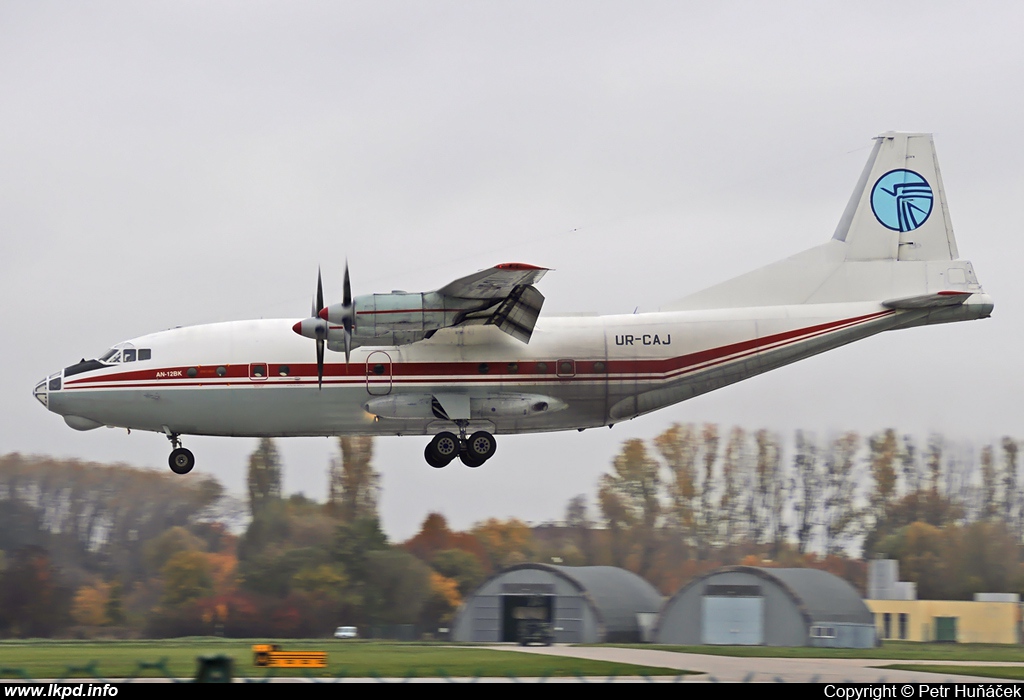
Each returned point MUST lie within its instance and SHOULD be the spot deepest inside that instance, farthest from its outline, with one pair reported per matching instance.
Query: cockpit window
(114, 356)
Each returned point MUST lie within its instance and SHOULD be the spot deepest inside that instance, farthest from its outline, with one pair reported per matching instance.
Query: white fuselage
(258, 378)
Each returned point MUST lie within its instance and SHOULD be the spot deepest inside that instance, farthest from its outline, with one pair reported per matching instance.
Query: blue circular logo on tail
(901, 200)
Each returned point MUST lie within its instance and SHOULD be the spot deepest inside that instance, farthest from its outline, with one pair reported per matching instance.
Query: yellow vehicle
(271, 656)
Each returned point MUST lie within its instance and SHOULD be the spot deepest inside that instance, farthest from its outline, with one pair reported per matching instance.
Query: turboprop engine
(399, 318)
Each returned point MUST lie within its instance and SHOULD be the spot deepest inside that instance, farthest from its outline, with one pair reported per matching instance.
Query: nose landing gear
(474, 451)
(181, 460)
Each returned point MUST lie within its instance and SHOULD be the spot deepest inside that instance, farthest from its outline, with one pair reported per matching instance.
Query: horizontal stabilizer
(928, 301)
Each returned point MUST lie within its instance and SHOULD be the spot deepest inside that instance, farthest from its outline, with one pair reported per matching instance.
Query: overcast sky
(175, 163)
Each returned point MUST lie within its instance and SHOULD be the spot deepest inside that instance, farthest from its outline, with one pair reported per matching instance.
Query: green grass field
(1006, 672)
(348, 658)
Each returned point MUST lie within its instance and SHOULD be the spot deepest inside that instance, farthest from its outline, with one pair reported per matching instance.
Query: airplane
(474, 358)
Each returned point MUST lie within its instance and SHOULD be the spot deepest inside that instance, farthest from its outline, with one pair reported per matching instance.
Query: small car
(346, 633)
(536, 632)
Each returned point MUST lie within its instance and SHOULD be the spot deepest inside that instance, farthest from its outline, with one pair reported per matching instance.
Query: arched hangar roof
(615, 594)
(820, 596)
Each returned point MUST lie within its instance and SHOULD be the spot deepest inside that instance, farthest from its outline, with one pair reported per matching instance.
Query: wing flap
(518, 314)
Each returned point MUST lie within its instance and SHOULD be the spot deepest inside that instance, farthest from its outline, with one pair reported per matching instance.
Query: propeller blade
(347, 293)
(346, 320)
(320, 364)
(321, 329)
(319, 294)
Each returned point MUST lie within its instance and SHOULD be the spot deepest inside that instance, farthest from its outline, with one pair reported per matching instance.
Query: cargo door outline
(378, 373)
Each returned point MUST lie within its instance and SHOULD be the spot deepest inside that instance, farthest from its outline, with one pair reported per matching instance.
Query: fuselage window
(128, 355)
(283, 370)
(145, 354)
(542, 367)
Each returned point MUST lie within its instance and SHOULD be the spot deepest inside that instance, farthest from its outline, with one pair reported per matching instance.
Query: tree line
(695, 498)
(89, 549)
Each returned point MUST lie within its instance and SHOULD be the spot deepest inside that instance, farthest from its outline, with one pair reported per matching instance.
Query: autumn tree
(434, 536)
(989, 487)
(581, 527)
(397, 586)
(505, 542)
(186, 576)
(734, 484)
(440, 606)
(841, 515)
(90, 604)
(678, 447)
(631, 505)
(807, 489)
(770, 492)
(461, 567)
(354, 485)
(34, 601)
(1013, 509)
(96, 519)
(264, 478)
(882, 459)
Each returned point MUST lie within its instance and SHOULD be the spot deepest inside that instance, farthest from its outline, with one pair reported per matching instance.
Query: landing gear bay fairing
(474, 358)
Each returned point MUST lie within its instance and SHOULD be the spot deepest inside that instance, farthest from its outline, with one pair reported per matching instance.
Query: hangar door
(732, 614)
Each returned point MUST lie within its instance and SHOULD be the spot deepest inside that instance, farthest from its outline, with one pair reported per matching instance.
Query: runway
(736, 669)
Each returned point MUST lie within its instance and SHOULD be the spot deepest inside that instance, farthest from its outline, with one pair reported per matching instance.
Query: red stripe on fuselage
(427, 372)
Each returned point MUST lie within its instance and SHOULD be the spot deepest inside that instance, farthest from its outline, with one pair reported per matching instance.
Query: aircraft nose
(40, 393)
(44, 387)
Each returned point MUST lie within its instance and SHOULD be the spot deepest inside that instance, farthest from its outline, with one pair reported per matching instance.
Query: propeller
(347, 314)
(346, 320)
(321, 330)
(315, 328)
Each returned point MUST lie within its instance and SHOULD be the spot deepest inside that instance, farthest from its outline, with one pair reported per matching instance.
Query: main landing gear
(473, 451)
(181, 460)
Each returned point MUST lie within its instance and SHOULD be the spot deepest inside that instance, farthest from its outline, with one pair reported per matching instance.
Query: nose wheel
(473, 451)
(181, 460)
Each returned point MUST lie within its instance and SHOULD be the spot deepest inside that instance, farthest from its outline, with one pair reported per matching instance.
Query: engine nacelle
(400, 318)
(425, 406)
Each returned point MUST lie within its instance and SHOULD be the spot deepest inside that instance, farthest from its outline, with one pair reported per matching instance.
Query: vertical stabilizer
(898, 209)
(894, 244)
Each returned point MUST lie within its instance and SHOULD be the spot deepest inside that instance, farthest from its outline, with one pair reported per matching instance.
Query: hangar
(583, 604)
(772, 607)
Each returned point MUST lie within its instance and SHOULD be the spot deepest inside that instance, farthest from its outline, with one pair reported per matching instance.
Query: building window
(904, 625)
(823, 632)
(886, 625)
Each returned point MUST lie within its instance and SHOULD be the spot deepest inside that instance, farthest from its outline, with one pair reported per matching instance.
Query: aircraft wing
(494, 283)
